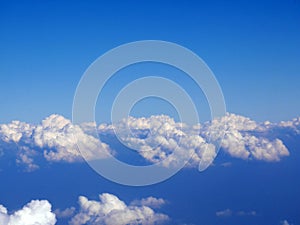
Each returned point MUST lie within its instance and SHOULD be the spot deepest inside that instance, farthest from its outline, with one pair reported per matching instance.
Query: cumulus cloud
(15, 131)
(62, 138)
(34, 213)
(157, 138)
(110, 210)
(244, 139)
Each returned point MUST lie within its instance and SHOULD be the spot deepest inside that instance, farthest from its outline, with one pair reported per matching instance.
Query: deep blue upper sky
(252, 47)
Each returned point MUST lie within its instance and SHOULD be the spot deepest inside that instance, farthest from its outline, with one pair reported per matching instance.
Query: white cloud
(59, 134)
(15, 131)
(243, 138)
(34, 213)
(110, 210)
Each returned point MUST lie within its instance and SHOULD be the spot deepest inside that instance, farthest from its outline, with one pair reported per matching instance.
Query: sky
(251, 46)
(48, 164)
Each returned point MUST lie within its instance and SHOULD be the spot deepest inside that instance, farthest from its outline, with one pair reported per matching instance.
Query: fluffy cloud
(156, 138)
(59, 134)
(110, 210)
(244, 138)
(34, 213)
(15, 131)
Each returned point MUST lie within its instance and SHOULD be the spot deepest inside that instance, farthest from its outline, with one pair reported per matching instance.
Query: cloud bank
(56, 139)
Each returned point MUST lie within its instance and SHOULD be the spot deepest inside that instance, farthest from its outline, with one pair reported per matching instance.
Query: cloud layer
(157, 138)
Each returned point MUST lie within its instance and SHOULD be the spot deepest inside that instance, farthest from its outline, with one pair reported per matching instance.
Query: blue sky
(252, 47)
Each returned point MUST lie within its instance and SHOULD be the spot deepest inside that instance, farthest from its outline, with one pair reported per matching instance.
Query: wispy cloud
(285, 222)
(224, 213)
(150, 202)
(229, 212)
